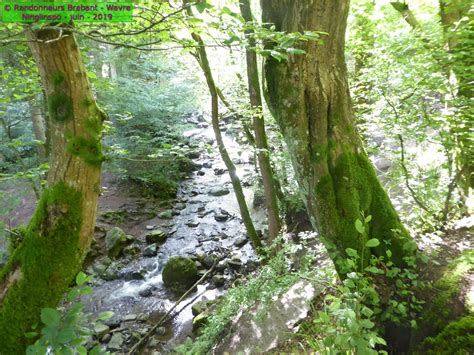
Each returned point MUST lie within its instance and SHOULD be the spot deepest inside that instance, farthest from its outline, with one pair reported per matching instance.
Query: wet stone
(219, 171)
(150, 251)
(207, 165)
(134, 275)
(240, 242)
(192, 224)
(221, 215)
(147, 292)
(235, 263)
(130, 318)
(156, 236)
(201, 173)
(116, 342)
(218, 280)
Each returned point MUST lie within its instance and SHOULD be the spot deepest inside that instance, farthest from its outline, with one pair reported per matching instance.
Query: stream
(205, 223)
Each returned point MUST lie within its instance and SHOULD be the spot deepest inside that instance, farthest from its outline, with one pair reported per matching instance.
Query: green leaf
(359, 226)
(50, 316)
(81, 278)
(368, 219)
(91, 75)
(203, 6)
(352, 253)
(295, 51)
(372, 243)
(389, 253)
(105, 315)
(279, 56)
(31, 334)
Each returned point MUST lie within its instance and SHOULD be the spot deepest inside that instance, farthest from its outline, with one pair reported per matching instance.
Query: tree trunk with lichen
(60, 231)
(261, 144)
(309, 97)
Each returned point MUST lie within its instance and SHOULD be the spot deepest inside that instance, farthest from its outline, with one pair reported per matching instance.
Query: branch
(406, 175)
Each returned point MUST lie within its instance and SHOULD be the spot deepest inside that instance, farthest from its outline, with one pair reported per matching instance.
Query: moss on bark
(42, 267)
(60, 106)
(90, 150)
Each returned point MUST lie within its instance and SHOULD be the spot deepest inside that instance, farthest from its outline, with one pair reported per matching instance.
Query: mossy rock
(156, 236)
(180, 273)
(115, 241)
(456, 338)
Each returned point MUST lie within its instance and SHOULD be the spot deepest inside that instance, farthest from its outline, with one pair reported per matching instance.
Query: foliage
(352, 310)
(144, 142)
(402, 88)
(456, 338)
(66, 330)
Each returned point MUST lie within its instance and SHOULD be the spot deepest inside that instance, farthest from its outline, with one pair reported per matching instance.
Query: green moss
(90, 150)
(180, 273)
(456, 338)
(60, 107)
(58, 79)
(86, 102)
(48, 258)
(93, 125)
(440, 309)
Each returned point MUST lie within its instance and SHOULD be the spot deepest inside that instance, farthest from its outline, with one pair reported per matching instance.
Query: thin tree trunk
(261, 144)
(309, 97)
(39, 126)
(201, 55)
(61, 229)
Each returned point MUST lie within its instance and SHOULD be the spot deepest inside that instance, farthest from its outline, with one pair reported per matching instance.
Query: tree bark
(61, 229)
(261, 144)
(309, 97)
(201, 55)
(39, 126)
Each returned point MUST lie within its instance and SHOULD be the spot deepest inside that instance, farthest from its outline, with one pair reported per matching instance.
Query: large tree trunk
(60, 232)
(261, 144)
(309, 97)
(201, 56)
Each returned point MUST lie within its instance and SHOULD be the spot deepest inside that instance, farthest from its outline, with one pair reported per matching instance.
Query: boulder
(115, 241)
(180, 273)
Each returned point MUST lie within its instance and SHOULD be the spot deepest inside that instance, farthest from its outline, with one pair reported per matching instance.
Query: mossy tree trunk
(46, 262)
(261, 143)
(309, 97)
(201, 56)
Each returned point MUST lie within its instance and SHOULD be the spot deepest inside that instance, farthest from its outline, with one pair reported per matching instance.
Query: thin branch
(406, 175)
